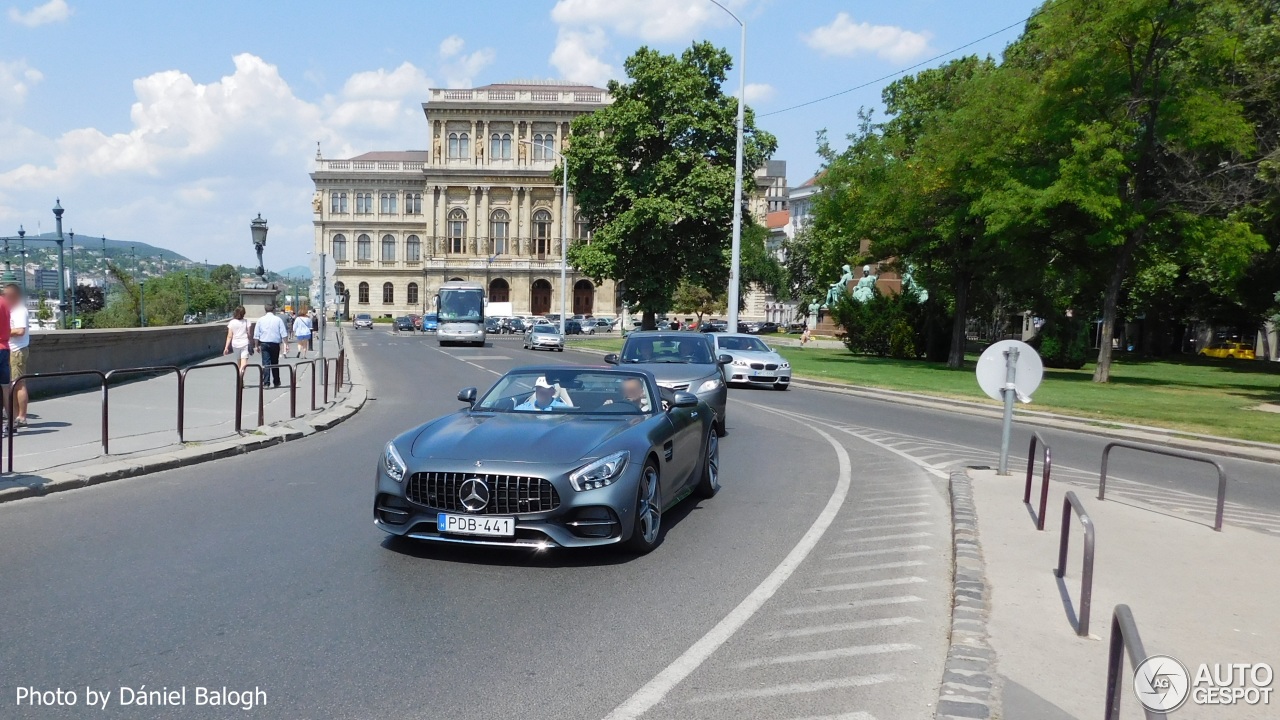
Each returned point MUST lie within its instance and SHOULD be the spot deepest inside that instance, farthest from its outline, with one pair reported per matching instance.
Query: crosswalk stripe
(913, 580)
(841, 627)
(863, 528)
(902, 505)
(834, 653)
(917, 513)
(851, 605)
(797, 688)
(870, 568)
(878, 538)
(881, 551)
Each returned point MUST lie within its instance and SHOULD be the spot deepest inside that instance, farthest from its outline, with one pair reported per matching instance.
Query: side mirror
(725, 359)
(467, 395)
(612, 359)
(684, 399)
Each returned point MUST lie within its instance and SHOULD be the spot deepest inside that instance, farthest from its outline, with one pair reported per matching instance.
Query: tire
(709, 482)
(720, 428)
(782, 387)
(560, 349)
(646, 529)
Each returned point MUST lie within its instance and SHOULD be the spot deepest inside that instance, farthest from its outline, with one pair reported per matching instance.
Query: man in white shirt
(270, 333)
(19, 341)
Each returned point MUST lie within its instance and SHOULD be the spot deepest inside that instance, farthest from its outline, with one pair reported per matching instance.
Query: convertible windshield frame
(579, 391)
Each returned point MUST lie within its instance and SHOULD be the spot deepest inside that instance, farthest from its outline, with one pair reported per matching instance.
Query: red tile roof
(777, 219)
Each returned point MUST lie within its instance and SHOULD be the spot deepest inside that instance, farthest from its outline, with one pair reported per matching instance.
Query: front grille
(757, 366)
(508, 494)
(771, 366)
(675, 386)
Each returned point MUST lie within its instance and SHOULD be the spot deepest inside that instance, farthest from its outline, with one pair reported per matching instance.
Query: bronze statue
(865, 289)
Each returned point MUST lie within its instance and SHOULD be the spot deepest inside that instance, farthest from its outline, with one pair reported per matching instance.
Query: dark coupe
(554, 456)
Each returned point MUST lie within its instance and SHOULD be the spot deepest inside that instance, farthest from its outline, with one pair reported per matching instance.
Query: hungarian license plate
(476, 525)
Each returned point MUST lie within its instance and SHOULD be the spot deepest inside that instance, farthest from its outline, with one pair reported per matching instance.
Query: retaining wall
(104, 350)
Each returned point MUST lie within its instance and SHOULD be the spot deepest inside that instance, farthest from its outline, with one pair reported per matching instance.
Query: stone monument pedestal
(255, 296)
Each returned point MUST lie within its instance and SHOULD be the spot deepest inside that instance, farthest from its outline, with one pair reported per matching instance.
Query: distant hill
(297, 271)
(115, 248)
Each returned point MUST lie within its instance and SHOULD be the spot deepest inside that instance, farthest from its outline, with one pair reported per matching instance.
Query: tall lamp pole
(73, 278)
(736, 261)
(22, 240)
(62, 279)
(564, 230)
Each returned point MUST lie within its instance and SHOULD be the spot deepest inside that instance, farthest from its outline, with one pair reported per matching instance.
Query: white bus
(460, 313)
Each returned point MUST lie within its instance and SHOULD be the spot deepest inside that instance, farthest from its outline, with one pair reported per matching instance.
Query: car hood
(557, 439)
(754, 355)
(674, 372)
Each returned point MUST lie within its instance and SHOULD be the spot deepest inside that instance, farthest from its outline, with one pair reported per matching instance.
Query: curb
(969, 675)
(119, 469)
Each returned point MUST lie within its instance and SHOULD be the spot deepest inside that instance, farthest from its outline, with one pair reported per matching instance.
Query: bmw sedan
(680, 361)
(555, 456)
(754, 362)
(544, 337)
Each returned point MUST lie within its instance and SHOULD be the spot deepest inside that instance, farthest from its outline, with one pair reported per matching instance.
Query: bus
(460, 313)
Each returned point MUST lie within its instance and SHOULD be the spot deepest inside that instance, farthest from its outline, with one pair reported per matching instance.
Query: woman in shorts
(302, 333)
(238, 337)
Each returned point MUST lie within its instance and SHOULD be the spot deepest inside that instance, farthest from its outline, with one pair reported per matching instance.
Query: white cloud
(50, 12)
(406, 80)
(16, 79)
(458, 69)
(451, 46)
(577, 56)
(759, 92)
(650, 20)
(848, 38)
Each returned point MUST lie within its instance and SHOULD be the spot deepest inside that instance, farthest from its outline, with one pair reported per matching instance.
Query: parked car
(363, 320)
(572, 327)
(493, 325)
(709, 326)
(680, 362)
(766, 328)
(430, 323)
(403, 323)
(1235, 350)
(599, 325)
(754, 362)
(544, 336)
(594, 466)
(417, 321)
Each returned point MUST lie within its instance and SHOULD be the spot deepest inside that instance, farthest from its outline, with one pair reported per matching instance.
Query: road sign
(993, 371)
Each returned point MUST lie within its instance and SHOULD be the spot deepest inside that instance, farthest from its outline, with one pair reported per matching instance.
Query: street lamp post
(9, 277)
(564, 230)
(73, 279)
(22, 240)
(736, 261)
(320, 319)
(142, 303)
(62, 280)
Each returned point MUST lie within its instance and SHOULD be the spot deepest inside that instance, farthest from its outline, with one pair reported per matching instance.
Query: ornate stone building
(480, 205)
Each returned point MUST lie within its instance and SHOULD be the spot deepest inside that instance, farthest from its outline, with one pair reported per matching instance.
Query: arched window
(364, 248)
(339, 289)
(543, 146)
(500, 146)
(541, 233)
(362, 293)
(499, 232)
(388, 248)
(388, 203)
(457, 229)
(453, 146)
(464, 145)
(412, 295)
(339, 248)
(388, 293)
(581, 228)
(338, 203)
(413, 249)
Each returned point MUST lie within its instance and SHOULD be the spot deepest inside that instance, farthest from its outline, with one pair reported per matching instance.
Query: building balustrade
(585, 96)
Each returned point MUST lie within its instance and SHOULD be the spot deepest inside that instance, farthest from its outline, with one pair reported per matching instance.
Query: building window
(500, 146)
(339, 289)
(388, 203)
(499, 232)
(457, 229)
(388, 248)
(541, 232)
(413, 203)
(338, 203)
(364, 203)
(364, 249)
(362, 293)
(388, 293)
(543, 146)
(413, 249)
(412, 295)
(339, 248)
(459, 146)
(581, 228)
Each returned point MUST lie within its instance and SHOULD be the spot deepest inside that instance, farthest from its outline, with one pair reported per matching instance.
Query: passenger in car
(633, 393)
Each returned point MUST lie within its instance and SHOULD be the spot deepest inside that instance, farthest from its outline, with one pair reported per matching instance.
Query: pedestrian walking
(804, 337)
(19, 341)
(302, 334)
(238, 337)
(315, 328)
(269, 333)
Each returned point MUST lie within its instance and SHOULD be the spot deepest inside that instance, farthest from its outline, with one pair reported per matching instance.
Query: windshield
(545, 329)
(569, 391)
(461, 305)
(680, 348)
(742, 343)
(363, 316)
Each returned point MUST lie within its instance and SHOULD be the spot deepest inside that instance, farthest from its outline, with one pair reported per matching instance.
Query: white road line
(841, 627)
(817, 655)
(892, 515)
(797, 688)
(842, 716)
(890, 526)
(656, 689)
(913, 580)
(902, 505)
(455, 357)
(878, 538)
(869, 568)
(881, 551)
(851, 605)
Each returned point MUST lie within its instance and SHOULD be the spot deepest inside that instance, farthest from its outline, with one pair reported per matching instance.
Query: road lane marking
(459, 359)
(892, 515)
(845, 587)
(878, 538)
(869, 568)
(851, 605)
(881, 551)
(890, 526)
(841, 627)
(797, 688)
(833, 654)
(842, 716)
(902, 505)
(656, 689)
(479, 357)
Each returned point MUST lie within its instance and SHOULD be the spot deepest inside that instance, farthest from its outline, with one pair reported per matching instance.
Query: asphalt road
(815, 584)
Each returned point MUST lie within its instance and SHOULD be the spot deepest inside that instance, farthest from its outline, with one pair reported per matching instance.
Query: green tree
(653, 173)
(760, 266)
(693, 299)
(226, 276)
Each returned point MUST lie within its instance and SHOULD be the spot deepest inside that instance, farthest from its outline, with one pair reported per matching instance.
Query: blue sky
(175, 123)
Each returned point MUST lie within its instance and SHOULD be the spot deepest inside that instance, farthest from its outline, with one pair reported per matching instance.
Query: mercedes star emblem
(474, 494)
(479, 463)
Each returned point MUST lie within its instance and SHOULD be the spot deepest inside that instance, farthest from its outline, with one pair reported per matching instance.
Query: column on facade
(473, 147)
(473, 210)
(484, 218)
(554, 245)
(437, 199)
(527, 204)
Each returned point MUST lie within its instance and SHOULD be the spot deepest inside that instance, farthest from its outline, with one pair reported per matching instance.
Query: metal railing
(293, 391)
(1069, 503)
(1044, 482)
(311, 364)
(1222, 474)
(106, 393)
(1124, 641)
(182, 395)
(102, 387)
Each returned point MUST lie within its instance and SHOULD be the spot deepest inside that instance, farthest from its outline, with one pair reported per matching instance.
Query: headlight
(393, 463)
(708, 386)
(785, 365)
(601, 473)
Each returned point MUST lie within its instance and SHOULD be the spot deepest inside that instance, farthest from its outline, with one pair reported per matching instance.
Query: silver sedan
(544, 337)
(754, 362)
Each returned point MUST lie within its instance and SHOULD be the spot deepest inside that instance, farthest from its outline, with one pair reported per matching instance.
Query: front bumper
(548, 343)
(593, 518)
(451, 335)
(748, 376)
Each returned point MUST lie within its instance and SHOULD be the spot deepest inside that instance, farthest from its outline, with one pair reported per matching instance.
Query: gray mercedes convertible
(555, 456)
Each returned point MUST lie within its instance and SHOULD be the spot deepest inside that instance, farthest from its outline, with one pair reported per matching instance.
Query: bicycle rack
(1222, 474)
(1069, 503)
(1124, 640)
(1044, 482)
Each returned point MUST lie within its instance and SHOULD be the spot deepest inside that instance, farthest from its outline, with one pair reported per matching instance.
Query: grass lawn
(1210, 396)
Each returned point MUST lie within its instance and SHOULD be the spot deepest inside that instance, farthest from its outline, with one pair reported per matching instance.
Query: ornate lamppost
(62, 263)
(258, 228)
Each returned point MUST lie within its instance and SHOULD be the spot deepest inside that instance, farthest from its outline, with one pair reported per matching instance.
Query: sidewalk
(1197, 595)
(62, 445)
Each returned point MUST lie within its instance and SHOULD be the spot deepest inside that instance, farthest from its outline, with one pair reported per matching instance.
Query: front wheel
(782, 386)
(709, 484)
(720, 428)
(648, 520)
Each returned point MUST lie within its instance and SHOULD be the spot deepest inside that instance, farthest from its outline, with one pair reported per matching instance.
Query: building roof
(813, 180)
(777, 219)
(543, 84)
(394, 156)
